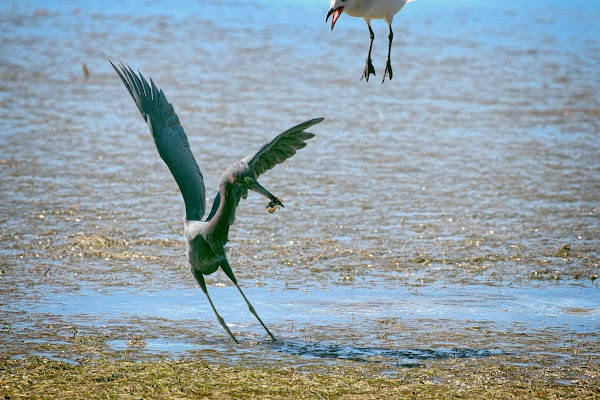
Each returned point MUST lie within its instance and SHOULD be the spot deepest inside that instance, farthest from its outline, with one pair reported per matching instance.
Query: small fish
(274, 204)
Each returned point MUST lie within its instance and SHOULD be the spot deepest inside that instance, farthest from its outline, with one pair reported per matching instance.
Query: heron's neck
(220, 220)
(226, 206)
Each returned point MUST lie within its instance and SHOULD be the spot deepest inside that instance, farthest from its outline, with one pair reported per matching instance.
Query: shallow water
(332, 323)
(451, 212)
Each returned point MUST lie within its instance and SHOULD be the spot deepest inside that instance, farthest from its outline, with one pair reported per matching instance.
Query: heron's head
(244, 177)
(336, 8)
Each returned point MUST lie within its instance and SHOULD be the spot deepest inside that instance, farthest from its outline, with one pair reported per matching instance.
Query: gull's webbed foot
(388, 71)
(369, 69)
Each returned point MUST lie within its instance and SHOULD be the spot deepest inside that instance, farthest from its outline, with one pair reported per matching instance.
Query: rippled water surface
(451, 212)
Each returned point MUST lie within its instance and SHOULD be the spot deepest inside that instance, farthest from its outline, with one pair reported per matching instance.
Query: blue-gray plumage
(205, 240)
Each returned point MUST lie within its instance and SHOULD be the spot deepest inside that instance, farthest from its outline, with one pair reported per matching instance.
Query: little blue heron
(368, 10)
(205, 240)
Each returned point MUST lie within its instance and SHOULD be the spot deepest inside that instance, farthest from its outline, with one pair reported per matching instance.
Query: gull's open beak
(257, 187)
(336, 14)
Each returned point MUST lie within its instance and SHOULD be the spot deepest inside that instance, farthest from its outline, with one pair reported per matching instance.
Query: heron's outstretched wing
(275, 152)
(169, 137)
(281, 148)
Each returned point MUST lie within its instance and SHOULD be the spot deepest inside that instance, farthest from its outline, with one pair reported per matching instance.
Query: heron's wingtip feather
(169, 137)
(281, 148)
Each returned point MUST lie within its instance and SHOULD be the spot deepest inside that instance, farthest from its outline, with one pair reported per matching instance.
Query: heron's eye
(248, 179)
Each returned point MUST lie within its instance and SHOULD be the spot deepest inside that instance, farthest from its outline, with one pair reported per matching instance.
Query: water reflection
(376, 355)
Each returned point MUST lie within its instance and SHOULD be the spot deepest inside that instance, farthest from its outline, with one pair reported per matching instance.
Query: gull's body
(374, 9)
(369, 10)
(205, 239)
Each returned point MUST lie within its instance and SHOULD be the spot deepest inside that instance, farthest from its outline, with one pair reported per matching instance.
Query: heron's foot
(270, 334)
(272, 337)
(224, 325)
(388, 70)
(253, 311)
(369, 69)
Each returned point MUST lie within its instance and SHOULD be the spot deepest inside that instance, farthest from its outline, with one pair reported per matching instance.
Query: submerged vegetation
(38, 377)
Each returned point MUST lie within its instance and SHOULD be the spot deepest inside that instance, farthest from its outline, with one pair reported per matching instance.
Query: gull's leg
(369, 69)
(227, 269)
(200, 280)
(388, 64)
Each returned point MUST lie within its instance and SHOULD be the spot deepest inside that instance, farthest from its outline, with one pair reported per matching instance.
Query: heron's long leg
(388, 64)
(369, 69)
(200, 280)
(229, 273)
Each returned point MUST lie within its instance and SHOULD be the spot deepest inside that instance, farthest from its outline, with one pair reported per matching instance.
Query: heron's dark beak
(336, 14)
(257, 187)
